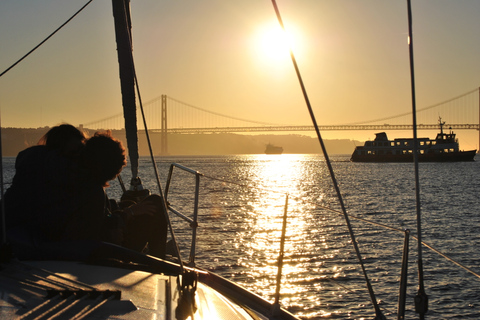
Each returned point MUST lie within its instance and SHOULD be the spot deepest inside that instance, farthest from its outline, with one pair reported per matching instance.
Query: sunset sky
(216, 54)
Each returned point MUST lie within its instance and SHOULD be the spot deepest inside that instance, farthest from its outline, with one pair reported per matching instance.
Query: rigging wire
(421, 299)
(46, 39)
(378, 312)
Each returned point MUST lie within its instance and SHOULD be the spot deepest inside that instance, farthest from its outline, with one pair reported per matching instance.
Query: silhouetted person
(44, 174)
(142, 225)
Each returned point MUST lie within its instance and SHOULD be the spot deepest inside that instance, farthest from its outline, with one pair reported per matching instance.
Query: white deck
(143, 295)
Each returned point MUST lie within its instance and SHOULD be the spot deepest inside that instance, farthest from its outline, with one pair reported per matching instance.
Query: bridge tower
(163, 140)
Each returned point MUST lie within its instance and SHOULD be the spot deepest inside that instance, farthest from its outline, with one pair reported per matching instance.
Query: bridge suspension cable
(185, 117)
(418, 110)
(220, 114)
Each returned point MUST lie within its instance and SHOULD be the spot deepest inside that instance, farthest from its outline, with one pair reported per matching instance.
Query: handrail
(193, 222)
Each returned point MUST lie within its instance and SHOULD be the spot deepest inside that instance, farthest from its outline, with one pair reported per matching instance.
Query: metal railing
(193, 222)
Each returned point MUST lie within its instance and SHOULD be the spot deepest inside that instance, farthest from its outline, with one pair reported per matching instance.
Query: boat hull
(436, 157)
(271, 149)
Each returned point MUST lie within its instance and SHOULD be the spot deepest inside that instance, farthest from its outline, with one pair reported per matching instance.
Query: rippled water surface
(242, 202)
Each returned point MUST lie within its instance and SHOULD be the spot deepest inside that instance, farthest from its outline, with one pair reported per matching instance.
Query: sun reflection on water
(242, 208)
(273, 177)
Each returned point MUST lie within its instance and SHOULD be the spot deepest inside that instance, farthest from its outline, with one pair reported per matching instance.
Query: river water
(242, 202)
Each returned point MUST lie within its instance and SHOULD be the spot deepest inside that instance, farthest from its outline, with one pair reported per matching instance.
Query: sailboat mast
(123, 26)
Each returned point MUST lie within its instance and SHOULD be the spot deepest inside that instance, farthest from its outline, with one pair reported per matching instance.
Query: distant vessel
(272, 149)
(444, 148)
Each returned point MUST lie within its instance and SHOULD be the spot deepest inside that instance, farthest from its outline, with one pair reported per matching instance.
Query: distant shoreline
(15, 140)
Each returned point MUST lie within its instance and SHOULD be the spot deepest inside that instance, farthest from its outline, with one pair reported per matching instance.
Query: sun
(273, 44)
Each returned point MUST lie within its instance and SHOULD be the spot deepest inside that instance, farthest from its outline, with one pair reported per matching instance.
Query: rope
(46, 39)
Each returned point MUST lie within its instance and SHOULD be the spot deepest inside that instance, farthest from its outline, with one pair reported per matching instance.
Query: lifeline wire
(46, 39)
(378, 312)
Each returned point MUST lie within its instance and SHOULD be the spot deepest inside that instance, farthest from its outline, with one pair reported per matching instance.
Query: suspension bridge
(168, 115)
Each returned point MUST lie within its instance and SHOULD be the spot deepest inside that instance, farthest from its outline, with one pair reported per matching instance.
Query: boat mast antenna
(378, 313)
(421, 299)
(441, 125)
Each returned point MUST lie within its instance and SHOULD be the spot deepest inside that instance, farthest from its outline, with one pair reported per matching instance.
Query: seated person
(139, 226)
(43, 186)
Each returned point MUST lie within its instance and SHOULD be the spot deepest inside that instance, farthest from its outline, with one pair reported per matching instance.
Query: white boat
(444, 148)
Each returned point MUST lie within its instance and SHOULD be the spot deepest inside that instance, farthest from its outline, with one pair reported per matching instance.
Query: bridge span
(459, 112)
(376, 127)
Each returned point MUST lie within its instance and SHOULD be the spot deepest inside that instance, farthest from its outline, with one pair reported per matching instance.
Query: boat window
(422, 143)
(368, 143)
(434, 143)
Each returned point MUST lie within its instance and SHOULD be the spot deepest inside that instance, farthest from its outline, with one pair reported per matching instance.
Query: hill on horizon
(15, 140)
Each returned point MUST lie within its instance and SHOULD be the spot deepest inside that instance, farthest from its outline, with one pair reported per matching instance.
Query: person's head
(65, 138)
(103, 157)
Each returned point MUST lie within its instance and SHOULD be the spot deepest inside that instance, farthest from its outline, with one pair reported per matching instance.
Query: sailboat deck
(73, 290)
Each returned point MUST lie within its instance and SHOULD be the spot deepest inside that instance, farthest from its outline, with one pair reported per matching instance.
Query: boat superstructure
(444, 148)
(273, 149)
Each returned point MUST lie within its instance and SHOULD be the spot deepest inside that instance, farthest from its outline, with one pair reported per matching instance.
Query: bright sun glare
(273, 44)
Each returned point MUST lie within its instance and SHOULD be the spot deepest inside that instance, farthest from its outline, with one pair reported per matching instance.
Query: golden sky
(353, 56)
